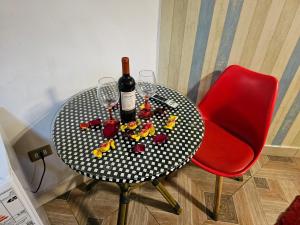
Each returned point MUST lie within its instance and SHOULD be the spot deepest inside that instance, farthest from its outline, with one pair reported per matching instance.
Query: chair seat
(222, 153)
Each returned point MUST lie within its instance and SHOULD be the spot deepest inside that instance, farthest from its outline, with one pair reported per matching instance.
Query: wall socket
(35, 154)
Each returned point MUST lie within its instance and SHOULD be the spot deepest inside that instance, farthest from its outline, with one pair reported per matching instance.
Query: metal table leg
(89, 185)
(123, 204)
(124, 200)
(167, 196)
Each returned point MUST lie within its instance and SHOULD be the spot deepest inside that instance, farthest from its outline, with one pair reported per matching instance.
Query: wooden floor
(267, 190)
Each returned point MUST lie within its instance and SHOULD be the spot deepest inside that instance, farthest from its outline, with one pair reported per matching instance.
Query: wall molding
(285, 151)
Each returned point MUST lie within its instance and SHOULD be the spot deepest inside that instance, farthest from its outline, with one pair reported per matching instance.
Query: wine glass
(108, 95)
(146, 87)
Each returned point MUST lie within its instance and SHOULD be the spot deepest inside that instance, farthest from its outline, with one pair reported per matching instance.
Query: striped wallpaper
(199, 38)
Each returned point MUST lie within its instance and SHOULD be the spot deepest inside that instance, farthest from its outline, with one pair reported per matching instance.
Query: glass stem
(110, 113)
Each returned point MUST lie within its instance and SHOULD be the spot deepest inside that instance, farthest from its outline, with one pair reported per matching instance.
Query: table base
(124, 199)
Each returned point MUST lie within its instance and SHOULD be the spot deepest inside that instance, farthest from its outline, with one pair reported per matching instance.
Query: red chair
(237, 113)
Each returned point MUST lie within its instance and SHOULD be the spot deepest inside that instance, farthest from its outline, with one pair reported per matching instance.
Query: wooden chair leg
(218, 193)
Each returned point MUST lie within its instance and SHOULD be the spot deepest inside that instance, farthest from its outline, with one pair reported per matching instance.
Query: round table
(74, 146)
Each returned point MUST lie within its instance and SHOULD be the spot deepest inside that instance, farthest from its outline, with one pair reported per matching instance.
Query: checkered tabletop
(122, 165)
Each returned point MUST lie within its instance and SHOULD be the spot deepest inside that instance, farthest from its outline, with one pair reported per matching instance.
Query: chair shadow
(206, 82)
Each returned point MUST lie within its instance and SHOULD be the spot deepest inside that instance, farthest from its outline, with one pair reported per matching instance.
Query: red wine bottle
(127, 94)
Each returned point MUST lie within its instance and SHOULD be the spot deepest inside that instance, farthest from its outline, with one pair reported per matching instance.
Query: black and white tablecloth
(74, 146)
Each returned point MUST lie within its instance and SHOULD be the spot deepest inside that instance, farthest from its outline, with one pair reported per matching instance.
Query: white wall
(49, 50)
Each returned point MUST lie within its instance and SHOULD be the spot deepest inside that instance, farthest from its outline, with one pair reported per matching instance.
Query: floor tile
(227, 208)
(261, 182)
(264, 194)
(94, 221)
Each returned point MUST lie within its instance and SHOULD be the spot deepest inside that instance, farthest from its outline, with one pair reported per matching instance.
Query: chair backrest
(242, 102)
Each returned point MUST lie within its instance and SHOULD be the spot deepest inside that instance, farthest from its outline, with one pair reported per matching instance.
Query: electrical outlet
(35, 154)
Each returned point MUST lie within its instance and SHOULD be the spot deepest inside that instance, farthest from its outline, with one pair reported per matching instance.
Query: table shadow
(193, 200)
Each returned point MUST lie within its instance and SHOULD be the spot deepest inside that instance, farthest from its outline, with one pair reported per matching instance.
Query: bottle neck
(125, 66)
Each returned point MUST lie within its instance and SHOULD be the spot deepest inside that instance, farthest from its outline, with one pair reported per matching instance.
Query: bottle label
(128, 100)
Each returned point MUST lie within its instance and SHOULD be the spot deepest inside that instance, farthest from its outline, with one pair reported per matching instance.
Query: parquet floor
(267, 190)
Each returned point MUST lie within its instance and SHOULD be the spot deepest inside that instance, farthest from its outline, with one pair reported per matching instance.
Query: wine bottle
(127, 94)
